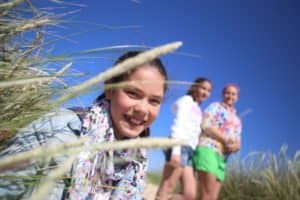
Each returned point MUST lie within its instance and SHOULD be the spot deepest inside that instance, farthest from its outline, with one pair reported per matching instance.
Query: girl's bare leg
(188, 183)
(171, 175)
(209, 186)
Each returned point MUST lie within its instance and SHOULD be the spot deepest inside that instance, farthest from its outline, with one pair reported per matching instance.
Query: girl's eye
(155, 102)
(132, 94)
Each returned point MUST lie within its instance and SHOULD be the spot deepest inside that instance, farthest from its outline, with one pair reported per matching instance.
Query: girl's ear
(108, 94)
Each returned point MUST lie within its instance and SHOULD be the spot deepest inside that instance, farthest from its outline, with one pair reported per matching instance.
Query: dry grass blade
(27, 53)
(126, 83)
(266, 176)
(43, 152)
(10, 5)
(6, 84)
(30, 24)
(53, 176)
(26, 157)
(118, 69)
(25, 87)
(38, 80)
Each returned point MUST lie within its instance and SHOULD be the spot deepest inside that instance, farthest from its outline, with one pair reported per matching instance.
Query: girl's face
(202, 92)
(134, 107)
(230, 95)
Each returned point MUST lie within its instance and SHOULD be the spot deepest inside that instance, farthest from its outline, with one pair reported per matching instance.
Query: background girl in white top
(186, 126)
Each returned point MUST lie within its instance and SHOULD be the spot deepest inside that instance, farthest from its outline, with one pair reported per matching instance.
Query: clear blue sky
(253, 43)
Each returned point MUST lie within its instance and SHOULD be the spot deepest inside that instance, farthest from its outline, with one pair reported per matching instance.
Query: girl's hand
(175, 160)
(232, 145)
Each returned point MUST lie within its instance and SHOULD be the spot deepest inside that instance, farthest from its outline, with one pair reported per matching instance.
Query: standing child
(221, 132)
(186, 126)
(120, 113)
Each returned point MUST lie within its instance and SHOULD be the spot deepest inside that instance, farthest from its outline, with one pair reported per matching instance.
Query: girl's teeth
(134, 121)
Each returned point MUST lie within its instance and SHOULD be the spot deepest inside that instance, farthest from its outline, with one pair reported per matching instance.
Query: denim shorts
(186, 158)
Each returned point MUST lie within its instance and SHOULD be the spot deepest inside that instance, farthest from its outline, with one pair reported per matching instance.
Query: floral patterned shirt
(225, 119)
(108, 174)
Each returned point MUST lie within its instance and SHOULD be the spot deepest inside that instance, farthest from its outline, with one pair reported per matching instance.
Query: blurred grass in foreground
(22, 39)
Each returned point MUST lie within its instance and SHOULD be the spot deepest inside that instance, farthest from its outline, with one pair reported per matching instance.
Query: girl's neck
(231, 108)
(119, 137)
(194, 99)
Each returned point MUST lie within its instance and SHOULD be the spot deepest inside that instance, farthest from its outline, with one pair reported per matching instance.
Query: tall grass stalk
(128, 64)
(263, 175)
(22, 30)
(52, 177)
(72, 148)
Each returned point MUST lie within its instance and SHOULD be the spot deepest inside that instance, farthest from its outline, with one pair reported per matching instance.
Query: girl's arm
(210, 121)
(215, 133)
(182, 116)
(233, 146)
(230, 144)
(235, 143)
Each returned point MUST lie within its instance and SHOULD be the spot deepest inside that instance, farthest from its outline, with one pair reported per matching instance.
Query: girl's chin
(126, 130)
(130, 133)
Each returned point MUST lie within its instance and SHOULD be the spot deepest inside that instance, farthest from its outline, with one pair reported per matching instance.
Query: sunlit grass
(263, 175)
(22, 37)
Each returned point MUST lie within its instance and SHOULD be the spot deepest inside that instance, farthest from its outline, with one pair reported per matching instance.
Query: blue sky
(255, 44)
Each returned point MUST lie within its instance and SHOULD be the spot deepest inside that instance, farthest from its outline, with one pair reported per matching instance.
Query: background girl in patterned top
(221, 132)
(186, 126)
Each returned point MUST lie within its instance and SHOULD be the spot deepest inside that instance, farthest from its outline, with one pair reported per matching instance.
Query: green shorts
(207, 160)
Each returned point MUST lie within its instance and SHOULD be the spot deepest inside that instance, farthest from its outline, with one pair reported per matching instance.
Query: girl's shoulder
(213, 105)
(185, 99)
(183, 102)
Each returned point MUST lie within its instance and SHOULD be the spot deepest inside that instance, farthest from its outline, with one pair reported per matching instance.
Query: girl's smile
(230, 95)
(135, 106)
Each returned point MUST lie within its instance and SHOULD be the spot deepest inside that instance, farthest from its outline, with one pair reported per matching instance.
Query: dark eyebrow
(160, 97)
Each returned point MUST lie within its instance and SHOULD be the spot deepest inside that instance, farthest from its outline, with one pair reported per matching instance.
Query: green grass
(259, 176)
(263, 175)
(154, 177)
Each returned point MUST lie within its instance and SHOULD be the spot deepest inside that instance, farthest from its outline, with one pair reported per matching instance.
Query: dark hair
(155, 63)
(196, 83)
(130, 54)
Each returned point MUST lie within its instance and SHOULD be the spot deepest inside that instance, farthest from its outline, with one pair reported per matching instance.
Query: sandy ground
(150, 191)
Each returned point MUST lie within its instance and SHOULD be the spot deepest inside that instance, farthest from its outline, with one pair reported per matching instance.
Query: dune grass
(21, 40)
(261, 175)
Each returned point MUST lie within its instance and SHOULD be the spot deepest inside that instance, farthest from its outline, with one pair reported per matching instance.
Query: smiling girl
(220, 137)
(120, 113)
(186, 126)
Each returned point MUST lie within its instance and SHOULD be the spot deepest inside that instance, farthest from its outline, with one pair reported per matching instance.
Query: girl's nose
(141, 107)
